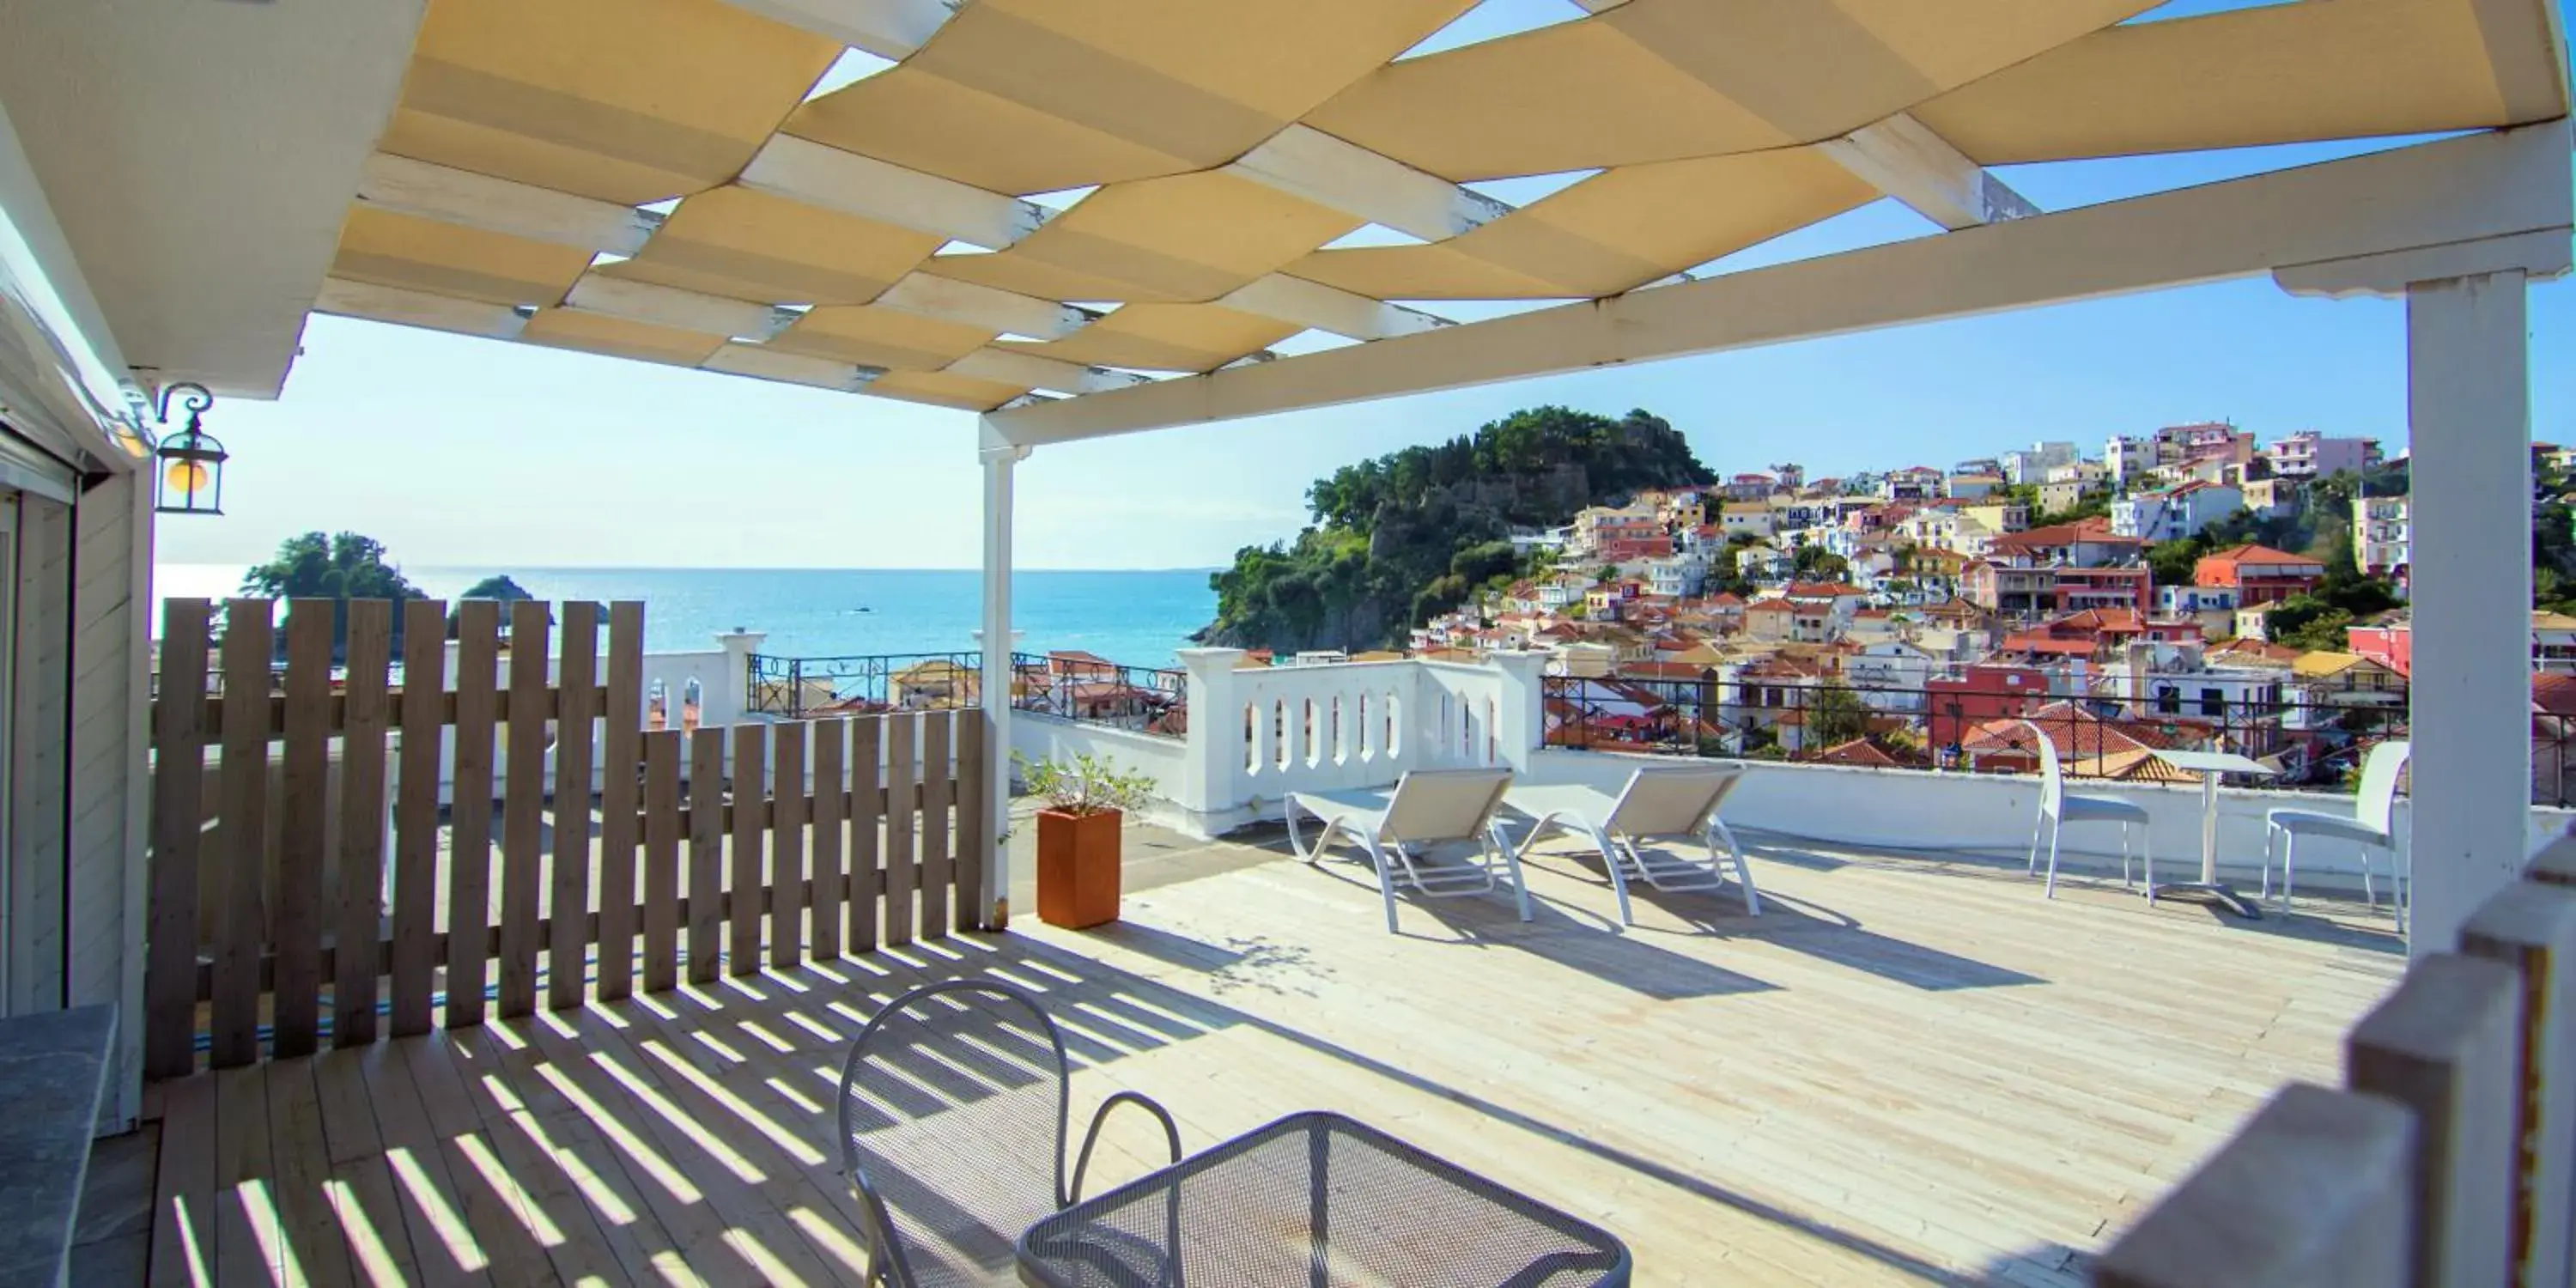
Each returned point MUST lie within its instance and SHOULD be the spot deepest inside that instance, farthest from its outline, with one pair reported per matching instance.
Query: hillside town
(2123, 601)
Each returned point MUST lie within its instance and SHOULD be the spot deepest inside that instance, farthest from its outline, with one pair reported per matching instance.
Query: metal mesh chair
(953, 1125)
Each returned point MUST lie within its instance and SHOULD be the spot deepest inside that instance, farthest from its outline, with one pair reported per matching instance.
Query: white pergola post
(997, 639)
(2469, 421)
(2468, 415)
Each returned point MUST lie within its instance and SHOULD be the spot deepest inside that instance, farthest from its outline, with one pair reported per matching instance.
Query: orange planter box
(1078, 857)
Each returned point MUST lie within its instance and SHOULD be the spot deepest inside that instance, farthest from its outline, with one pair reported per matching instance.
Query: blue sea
(1133, 617)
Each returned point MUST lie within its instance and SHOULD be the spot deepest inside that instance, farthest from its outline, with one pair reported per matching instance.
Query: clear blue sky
(456, 451)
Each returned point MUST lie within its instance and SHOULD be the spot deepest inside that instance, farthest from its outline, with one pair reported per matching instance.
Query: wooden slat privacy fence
(2447, 1159)
(298, 871)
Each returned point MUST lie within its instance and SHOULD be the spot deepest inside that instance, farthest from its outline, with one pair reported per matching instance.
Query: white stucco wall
(1041, 737)
(1993, 814)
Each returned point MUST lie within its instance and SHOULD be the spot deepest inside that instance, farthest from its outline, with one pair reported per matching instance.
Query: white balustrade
(1259, 733)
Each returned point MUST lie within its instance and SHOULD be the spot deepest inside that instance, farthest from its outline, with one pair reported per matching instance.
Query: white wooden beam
(470, 200)
(634, 301)
(886, 28)
(950, 300)
(2535, 254)
(793, 368)
(1327, 308)
(1903, 158)
(1002, 366)
(821, 175)
(1306, 162)
(419, 308)
(2459, 189)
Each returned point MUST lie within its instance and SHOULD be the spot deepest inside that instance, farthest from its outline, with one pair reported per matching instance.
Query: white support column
(1207, 786)
(1520, 722)
(995, 687)
(2469, 419)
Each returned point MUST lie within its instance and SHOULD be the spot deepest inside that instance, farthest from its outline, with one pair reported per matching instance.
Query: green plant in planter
(1085, 785)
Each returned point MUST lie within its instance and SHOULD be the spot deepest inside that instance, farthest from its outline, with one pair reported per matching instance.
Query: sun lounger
(1678, 802)
(1396, 830)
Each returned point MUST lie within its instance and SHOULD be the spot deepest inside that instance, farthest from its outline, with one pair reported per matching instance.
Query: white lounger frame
(1428, 807)
(1678, 803)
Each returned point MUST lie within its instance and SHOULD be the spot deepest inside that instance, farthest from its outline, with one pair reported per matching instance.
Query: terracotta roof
(1859, 751)
(2096, 531)
(2554, 693)
(1774, 605)
(2072, 731)
(2101, 619)
(1813, 589)
(2250, 553)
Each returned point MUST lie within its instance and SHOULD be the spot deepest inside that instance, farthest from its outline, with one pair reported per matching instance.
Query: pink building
(2309, 454)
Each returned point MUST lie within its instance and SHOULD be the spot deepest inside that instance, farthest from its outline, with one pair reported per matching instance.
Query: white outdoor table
(2209, 765)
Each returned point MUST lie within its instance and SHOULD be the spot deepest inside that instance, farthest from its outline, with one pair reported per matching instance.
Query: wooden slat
(523, 819)
(867, 812)
(706, 850)
(621, 759)
(938, 796)
(903, 877)
(661, 916)
(831, 801)
(299, 1161)
(568, 950)
(303, 821)
(743, 854)
(2531, 928)
(2444, 1045)
(360, 916)
(973, 849)
(444, 705)
(183, 1202)
(469, 858)
(2312, 1194)
(416, 820)
(787, 845)
(249, 636)
(179, 810)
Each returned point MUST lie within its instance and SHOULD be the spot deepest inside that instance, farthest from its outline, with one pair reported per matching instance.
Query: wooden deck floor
(1905, 1071)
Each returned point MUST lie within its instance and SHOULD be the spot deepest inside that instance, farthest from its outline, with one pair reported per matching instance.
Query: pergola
(661, 180)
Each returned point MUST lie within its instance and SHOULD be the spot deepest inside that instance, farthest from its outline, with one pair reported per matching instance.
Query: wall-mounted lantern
(191, 461)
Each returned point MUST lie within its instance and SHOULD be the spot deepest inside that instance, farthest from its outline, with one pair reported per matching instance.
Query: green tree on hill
(1835, 715)
(339, 568)
(498, 587)
(2308, 622)
(1417, 532)
(1815, 563)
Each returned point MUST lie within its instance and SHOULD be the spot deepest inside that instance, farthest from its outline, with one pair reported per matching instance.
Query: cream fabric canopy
(655, 179)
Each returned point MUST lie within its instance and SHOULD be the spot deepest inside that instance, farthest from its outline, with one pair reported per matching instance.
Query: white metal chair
(1670, 802)
(2057, 808)
(2369, 826)
(1395, 830)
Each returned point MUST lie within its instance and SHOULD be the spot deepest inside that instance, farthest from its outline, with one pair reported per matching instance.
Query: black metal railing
(1098, 691)
(2314, 740)
(1094, 690)
(797, 687)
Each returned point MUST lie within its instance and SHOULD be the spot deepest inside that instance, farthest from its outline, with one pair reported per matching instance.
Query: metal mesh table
(1316, 1200)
